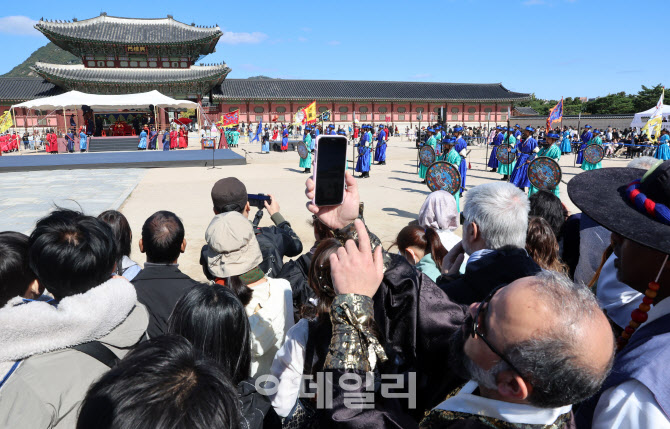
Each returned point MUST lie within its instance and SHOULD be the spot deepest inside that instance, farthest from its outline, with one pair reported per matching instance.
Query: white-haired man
(495, 221)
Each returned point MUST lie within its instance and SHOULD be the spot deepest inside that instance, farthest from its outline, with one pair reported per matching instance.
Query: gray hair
(550, 361)
(643, 162)
(500, 210)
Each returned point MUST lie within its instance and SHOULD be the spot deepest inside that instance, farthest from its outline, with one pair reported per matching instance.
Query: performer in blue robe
(497, 141)
(461, 148)
(363, 163)
(82, 141)
(517, 132)
(284, 139)
(586, 136)
(69, 137)
(153, 137)
(380, 151)
(143, 140)
(663, 151)
(566, 146)
(526, 151)
(166, 139)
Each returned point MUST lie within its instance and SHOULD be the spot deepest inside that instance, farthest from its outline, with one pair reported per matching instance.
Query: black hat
(629, 201)
(229, 194)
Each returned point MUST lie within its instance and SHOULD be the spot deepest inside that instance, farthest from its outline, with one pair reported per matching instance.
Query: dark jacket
(296, 272)
(255, 409)
(159, 287)
(275, 243)
(483, 275)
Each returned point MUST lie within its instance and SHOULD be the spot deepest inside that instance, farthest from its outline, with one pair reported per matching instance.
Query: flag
(259, 130)
(325, 116)
(299, 117)
(653, 125)
(555, 114)
(310, 112)
(230, 119)
(6, 121)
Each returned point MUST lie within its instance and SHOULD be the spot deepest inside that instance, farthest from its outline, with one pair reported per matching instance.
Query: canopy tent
(640, 119)
(75, 99)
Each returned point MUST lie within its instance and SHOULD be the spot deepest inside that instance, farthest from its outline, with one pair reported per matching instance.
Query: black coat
(483, 275)
(159, 287)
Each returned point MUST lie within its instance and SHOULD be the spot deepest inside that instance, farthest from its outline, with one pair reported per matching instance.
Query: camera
(258, 200)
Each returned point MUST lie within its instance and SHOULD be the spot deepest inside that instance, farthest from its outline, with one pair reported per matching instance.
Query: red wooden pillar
(248, 120)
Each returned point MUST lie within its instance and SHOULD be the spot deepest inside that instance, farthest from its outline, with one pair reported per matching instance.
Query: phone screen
(331, 164)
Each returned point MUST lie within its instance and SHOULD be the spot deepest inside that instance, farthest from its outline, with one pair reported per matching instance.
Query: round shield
(505, 154)
(544, 173)
(426, 155)
(594, 153)
(442, 176)
(302, 151)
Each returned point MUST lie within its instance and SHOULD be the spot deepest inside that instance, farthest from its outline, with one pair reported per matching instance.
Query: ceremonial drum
(544, 173)
(442, 176)
(302, 151)
(505, 154)
(594, 153)
(426, 155)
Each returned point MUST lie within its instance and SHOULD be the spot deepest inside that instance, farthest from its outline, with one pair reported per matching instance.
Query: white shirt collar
(478, 254)
(465, 402)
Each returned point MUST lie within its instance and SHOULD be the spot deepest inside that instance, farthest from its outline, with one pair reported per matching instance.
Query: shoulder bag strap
(98, 351)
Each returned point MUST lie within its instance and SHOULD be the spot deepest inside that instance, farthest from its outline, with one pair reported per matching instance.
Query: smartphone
(258, 200)
(329, 168)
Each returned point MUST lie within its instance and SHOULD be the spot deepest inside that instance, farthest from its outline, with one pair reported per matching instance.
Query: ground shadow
(415, 191)
(400, 213)
(405, 180)
(402, 172)
(295, 170)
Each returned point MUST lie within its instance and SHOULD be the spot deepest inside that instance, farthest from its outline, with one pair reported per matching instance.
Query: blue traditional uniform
(517, 133)
(235, 137)
(552, 151)
(432, 143)
(663, 151)
(586, 166)
(284, 139)
(460, 147)
(82, 141)
(143, 140)
(153, 137)
(453, 158)
(166, 140)
(497, 141)
(566, 146)
(70, 141)
(380, 151)
(586, 137)
(363, 163)
(525, 153)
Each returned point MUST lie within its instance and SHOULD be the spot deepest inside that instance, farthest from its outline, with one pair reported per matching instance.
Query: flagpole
(579, 136)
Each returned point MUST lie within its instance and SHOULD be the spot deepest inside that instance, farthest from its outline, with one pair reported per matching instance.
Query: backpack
(296, 271)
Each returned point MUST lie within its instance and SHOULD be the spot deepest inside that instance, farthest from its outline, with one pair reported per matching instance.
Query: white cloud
(231, 38)
(334, 42)
(302, 39)
(20, 25)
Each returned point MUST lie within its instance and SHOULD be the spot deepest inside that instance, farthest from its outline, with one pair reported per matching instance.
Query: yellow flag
(6, 121)
(653, 125)
(310, 112)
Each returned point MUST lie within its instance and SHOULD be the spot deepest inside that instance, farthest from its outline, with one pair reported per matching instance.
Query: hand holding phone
(258, 200)
(329, 170)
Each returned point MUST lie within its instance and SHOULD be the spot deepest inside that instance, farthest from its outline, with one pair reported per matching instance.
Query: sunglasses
(478, 322)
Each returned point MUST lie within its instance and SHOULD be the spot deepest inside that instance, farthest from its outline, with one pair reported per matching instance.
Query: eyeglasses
(481, 315)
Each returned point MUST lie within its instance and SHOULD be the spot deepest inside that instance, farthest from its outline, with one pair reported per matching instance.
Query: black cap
(228, 195)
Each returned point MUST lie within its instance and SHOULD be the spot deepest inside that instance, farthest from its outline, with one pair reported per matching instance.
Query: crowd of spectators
(512, 323)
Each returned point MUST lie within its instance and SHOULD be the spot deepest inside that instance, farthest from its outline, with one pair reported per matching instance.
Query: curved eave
(378, 100)
(55, 37)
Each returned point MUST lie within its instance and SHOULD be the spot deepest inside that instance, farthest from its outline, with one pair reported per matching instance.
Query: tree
(611, 104)
(647, 98)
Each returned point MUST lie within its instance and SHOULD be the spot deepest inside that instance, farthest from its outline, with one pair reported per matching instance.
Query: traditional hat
(629, 202)
(587, 126)
(498, 127)
(458, 129)
(517, 126)
(531, 129)
(552, 136)
(596, 132)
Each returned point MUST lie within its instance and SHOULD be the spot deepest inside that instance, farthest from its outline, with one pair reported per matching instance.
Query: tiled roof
(78, 73)
(26, 88)
(585, 117)
(111, 29)
(290, 89)
(527, 111)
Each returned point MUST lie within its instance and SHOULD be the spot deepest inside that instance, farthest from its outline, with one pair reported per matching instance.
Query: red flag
(230, 119)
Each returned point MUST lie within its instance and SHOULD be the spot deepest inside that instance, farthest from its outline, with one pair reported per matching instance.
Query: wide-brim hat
(620, 209)
(531, 129)
(232, 248)
(552, 136)
(458, 129)
(587, 126)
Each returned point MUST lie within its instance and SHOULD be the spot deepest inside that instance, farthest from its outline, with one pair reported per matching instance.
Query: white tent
(75, 99)
(641, 118)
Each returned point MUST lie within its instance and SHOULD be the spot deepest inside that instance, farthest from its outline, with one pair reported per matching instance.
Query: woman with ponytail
(422, 247)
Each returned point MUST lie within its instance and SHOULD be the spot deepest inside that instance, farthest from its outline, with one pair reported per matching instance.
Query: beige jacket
(47, 388)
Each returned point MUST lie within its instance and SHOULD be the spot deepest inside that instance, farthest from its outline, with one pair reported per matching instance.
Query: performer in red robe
(355, 132)
(183, 142)
(14, 145)
(174, 139)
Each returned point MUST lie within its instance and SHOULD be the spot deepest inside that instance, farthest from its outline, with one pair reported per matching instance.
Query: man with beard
(530, 350)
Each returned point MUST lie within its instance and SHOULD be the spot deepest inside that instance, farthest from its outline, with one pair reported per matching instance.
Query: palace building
(129, 55)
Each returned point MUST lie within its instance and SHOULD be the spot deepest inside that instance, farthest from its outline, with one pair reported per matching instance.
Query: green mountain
(261, 77)
(49, 53)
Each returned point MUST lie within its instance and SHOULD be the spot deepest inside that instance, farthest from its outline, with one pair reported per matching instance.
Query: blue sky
(553, 48)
